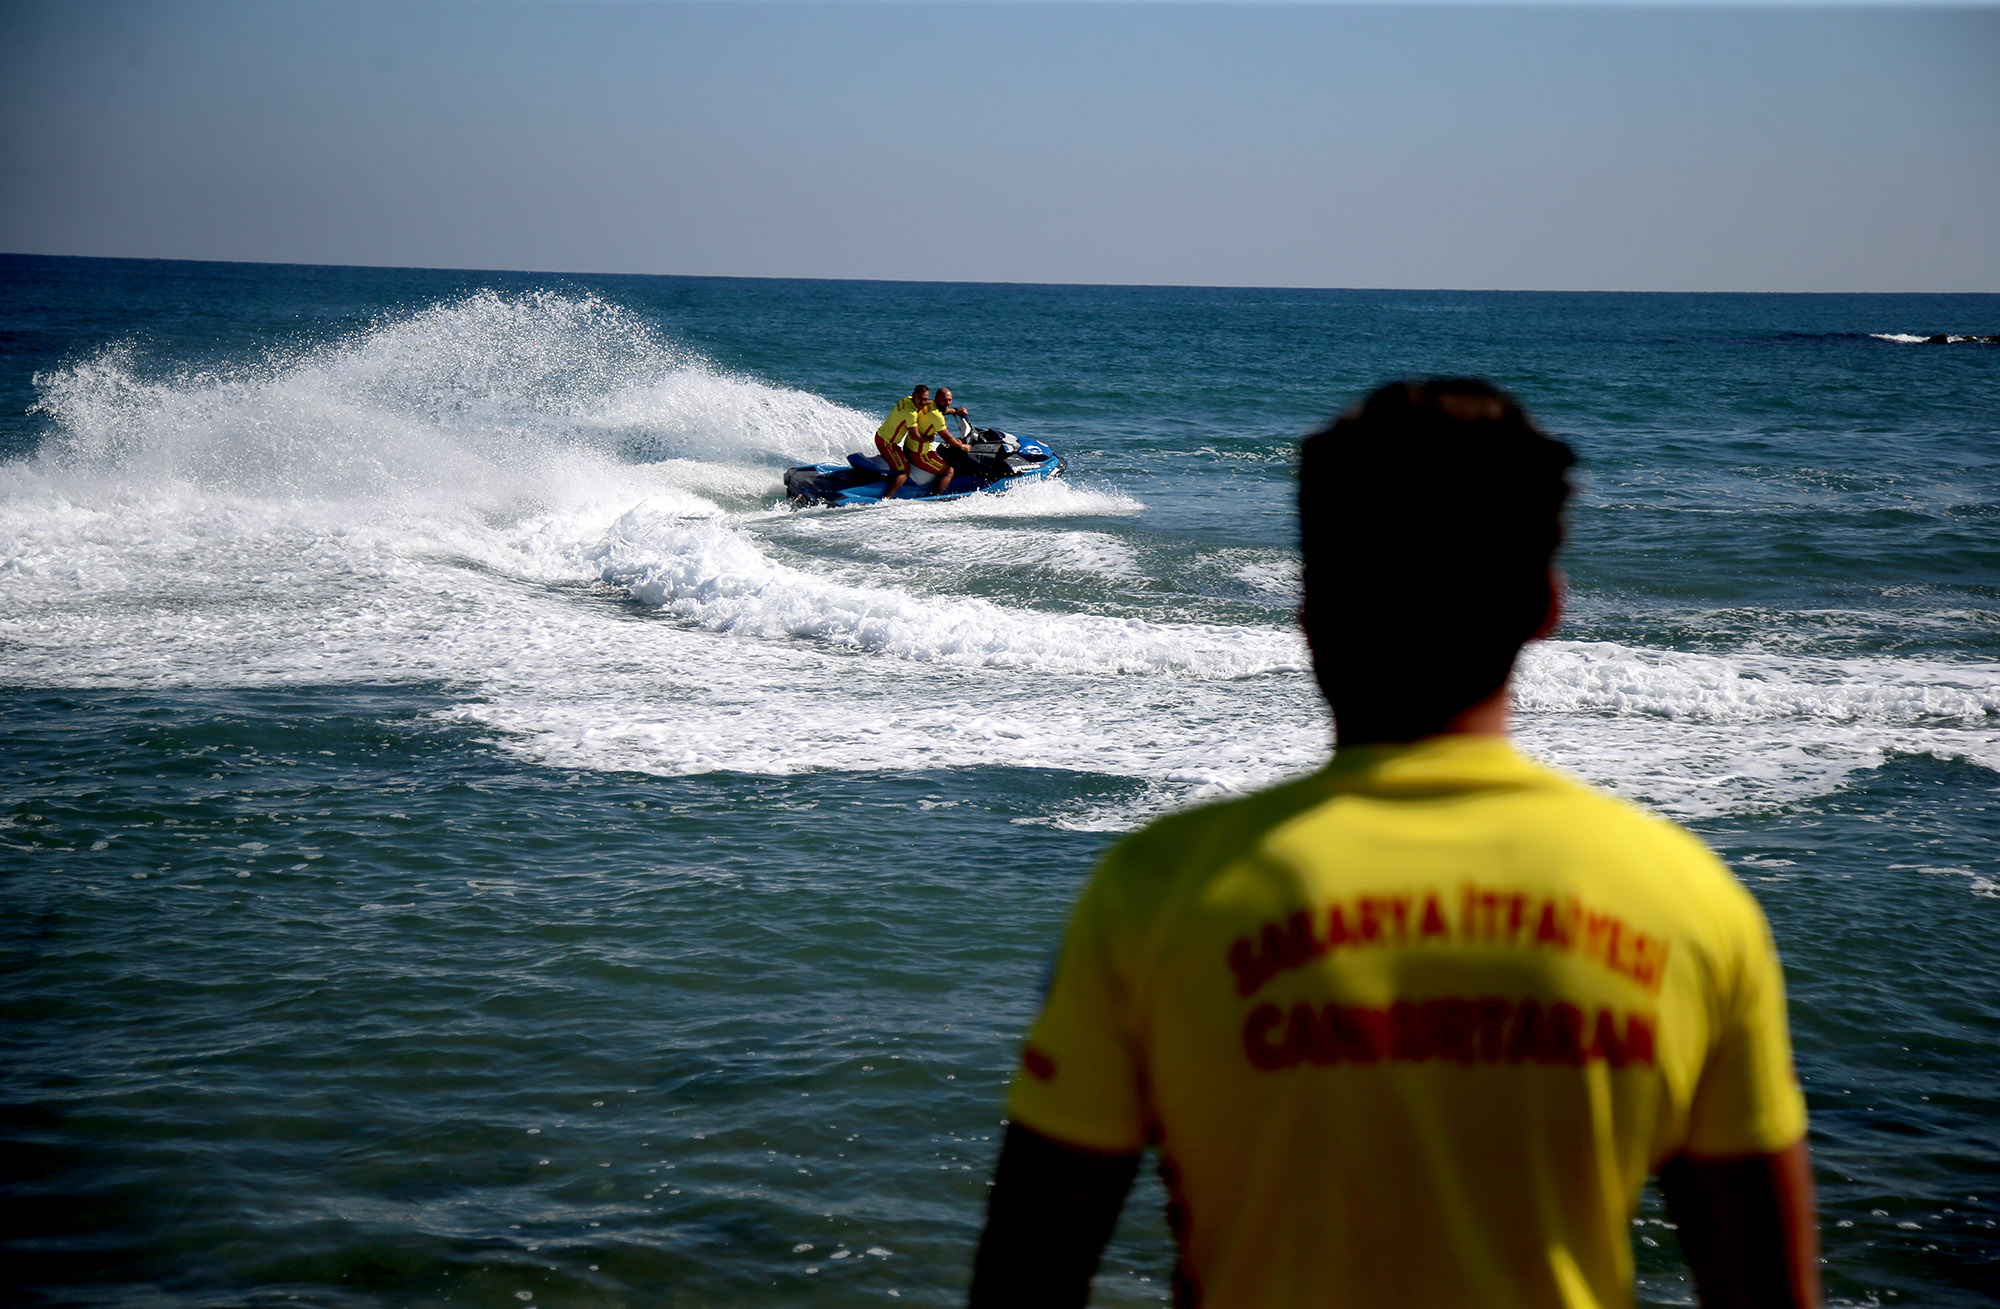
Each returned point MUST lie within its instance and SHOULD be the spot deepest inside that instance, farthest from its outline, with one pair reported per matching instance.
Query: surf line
(1484, 916)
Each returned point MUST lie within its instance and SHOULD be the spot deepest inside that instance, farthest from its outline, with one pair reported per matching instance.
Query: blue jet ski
(999, 460)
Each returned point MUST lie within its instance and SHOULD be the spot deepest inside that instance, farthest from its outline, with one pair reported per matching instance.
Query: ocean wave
(1934, 338)
(486, 402)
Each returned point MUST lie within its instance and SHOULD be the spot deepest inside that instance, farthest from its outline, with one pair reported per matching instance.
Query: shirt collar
(1435, 763)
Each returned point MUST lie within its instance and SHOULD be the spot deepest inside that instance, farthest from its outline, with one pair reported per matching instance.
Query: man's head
(1429, 519)
(943, 394)
(921, 394)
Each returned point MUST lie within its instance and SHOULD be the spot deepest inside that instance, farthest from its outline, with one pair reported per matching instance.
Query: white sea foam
(1277, 577)
(571, 525)
(717, 578)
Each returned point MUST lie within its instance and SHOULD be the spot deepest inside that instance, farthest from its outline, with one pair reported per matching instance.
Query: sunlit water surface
(467, 842)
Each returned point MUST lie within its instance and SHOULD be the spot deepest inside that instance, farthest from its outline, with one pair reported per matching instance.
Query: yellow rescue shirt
(900, 424)
(922, 439)
(1413, 1030)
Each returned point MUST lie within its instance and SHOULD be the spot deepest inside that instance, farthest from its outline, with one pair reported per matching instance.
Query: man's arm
(1747, 1227)
(1052, 1209)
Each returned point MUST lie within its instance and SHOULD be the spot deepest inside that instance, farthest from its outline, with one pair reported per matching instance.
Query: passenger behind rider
(896, 430)
(916, 436)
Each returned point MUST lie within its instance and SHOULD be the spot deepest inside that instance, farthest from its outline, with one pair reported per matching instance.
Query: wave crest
(487, 399)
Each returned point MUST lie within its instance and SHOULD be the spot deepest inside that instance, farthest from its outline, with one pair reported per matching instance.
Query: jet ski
(1000, 458)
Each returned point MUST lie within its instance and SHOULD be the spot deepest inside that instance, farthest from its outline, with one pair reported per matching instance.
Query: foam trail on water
(1576, 677)
(1912, 338)
(1702, 734)
(718, 579)
(545, 506)
(484, 401)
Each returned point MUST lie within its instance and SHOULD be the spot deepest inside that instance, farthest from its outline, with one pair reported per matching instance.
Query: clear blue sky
(1621, 147)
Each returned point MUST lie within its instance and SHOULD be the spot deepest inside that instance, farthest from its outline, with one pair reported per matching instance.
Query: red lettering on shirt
(1493, 1015)
(1301, 946)
(1524, 1037)
(1406, 1033)
(1449, 1027)
(1486, 916)
(1453, 1029)
(1605, 1043)
(1563, 1038)
(1638, 1039)
(1038, 1064)
(1347, 1038)
(1243, 962)
(1273, 937)
(1262, 1053)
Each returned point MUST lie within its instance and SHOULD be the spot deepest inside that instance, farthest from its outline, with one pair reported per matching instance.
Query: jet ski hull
(863, 478)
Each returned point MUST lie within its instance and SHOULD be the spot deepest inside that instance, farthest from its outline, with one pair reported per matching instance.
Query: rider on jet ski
(915, 434)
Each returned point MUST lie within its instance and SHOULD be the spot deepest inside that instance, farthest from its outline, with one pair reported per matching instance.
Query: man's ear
(1558, 584)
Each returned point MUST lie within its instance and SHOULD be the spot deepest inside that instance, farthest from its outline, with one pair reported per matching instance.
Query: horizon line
(923, 281)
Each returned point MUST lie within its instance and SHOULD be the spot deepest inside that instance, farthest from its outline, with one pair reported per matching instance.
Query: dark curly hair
(1429, 516)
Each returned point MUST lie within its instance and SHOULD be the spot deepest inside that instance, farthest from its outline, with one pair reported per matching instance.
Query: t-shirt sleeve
(1081, 1077)
(1747, 1100)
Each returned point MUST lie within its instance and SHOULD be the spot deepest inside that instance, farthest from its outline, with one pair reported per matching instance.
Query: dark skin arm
(1052, 1210)
(1747, 1228)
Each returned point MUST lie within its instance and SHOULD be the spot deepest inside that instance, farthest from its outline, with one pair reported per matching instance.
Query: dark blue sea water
(464, 841)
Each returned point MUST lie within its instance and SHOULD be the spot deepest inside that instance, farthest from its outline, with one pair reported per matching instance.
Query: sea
(466, 840)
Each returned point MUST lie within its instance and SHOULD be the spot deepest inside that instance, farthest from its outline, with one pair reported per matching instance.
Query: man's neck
(1489, 717)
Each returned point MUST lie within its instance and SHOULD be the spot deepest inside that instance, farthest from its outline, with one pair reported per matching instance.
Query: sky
(1557, 147)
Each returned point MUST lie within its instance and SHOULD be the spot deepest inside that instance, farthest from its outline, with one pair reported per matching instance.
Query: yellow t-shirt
(1413, 1030)
(900, 423)
(922, 438)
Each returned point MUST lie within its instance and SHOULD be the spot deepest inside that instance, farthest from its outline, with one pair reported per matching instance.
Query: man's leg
(899, 467)
(932, 463)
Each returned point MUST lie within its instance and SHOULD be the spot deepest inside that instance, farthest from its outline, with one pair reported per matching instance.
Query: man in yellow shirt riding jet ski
(911, 436)
(1415, 1029)
(896, 429)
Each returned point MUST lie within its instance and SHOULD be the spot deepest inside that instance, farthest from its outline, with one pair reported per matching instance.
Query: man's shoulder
(1567, 818)
(1604, 844)
(1539, 814)
(1206, 837)
(1592, 807)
